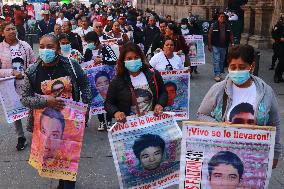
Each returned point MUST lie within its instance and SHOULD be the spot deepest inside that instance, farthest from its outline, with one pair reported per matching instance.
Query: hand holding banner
(216, 155)
(177, 84)
(10, 90)
(57, 140)
(146, 151)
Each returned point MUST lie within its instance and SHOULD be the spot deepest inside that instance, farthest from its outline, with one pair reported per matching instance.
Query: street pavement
(97, 170)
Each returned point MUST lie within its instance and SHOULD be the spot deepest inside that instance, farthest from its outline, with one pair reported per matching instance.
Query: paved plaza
(97, 170)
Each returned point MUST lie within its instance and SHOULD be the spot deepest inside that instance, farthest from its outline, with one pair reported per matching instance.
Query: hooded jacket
(266, 112)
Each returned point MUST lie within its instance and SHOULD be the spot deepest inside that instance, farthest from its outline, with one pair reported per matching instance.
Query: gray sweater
(266, 112)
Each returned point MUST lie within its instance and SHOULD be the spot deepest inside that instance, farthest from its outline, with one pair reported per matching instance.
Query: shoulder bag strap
(225, 99)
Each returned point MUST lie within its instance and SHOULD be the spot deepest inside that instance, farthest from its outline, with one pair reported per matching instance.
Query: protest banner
(177, 84)
(57, 140)
(216, 155)
(146, 151)
(196, 49)
(113, 43)
(10, 99)
(99, 77)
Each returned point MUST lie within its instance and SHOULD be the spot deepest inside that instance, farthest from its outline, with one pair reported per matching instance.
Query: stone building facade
(259, 15)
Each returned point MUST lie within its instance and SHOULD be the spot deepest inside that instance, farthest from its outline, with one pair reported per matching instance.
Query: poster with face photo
(196, 49)
(177, 84)
(57, 140)
(146, 151)
(10, 99)
(220, 156)
(99, 78)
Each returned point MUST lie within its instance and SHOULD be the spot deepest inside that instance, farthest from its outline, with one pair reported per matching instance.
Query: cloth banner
(57, 140)
(99, 78)
(216, 155)
(196, 49)
(10, 99)
(177, 84)
(113, 43)
(146, 151)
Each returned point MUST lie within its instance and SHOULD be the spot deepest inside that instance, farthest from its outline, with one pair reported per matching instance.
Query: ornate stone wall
(259, 15)
(179, 8)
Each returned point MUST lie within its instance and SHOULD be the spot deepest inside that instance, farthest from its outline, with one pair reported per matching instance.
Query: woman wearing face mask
(67, 51)
(167, 60)
(133, 75)
(189, 29)
(99, 54)
(174, 33)
(242, 98)
(51, 66)
(15, 57)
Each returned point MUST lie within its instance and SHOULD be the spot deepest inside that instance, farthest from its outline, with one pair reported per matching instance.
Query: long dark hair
(130, 47)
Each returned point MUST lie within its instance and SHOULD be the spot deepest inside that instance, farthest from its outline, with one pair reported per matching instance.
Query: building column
(248, 24)
(261, 37)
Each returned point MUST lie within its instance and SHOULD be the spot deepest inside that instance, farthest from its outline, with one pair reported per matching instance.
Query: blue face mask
(47, 55)
(91, 46)
(65, 49)
(133, 65)
(74, 27)
(239, 77)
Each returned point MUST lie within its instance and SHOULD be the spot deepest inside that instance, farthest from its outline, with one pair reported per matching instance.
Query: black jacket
(44, 28)
(109, 57)
(150, 33)
(76, 42)
(119, 94)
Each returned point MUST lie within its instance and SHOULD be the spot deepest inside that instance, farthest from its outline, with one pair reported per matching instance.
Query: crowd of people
(70, 35)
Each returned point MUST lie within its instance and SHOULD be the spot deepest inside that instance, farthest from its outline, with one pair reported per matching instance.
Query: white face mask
(183, 26)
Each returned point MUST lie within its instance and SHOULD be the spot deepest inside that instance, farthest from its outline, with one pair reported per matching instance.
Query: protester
(52, 66)
(174, 33)
(117, 33)
(157, 43)
(98, 28)
(56, 31)
(100, 54)
(46, 25)
(15, 57)
(219, 38)
(150, 33)
(278, 36)
(67, 51)
(74, 38)
(240, 86)
(167, 60)
(19, 17)
(83, 30)
(133, 74)
(61, 19)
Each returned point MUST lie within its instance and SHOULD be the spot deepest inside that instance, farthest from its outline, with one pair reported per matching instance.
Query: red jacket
(19, 16)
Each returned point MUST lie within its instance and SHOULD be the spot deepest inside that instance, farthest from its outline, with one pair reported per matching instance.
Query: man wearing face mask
(241, 87)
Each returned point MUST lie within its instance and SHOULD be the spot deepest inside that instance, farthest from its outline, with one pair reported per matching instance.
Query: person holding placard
(100, 54)
(128, 91)
(51, 77)
(15, 57)
(167, 60)
(242, 98)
